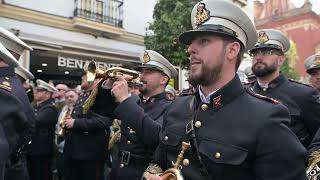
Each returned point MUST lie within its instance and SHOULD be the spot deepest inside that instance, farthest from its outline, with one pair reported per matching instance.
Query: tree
(288, 67)
(170, 19)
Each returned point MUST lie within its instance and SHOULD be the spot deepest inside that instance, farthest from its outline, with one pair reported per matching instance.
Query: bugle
(174, 173)
(95, 73)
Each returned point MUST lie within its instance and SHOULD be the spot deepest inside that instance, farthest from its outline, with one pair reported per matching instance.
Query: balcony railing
(103, 11)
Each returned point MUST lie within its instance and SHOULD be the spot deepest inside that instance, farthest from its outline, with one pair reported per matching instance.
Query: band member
(17, 170)
(14, 126)
(71, 97)
(141, 118)
(24, 75)
(233, 132)
(312, 66)
(59, 96)
(85, 148)
(40, 157)
(268, 55)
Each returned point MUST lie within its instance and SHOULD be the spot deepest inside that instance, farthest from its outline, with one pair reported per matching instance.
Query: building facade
(66, 33)
(301, 25)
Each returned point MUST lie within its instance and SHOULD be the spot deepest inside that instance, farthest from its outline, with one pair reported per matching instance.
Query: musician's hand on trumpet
(120, 88)
(69, 122)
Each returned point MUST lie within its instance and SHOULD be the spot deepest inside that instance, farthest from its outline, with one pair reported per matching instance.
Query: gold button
(121, 165)
(144, 101)
(128, 142)
(128, 127)
(186, 162)
(166, 138)
(132, 131)
(264, 89)
(217, 155)
(204, 107)
(198, 124)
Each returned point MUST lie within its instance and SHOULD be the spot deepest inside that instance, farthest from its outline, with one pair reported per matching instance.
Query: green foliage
(288, 67)
(170, 19)
(288, 71)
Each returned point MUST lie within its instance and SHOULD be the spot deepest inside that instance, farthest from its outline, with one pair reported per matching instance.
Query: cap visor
(188, 36)
(146, 66)
(313, 68)
(262, 46)
(9, 60)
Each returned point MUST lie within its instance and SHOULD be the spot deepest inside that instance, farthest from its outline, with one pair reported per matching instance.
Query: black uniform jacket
(88, 139)
(13, 121)
(46, 118)
(141, 121)
(302, 102)
(315, 144)
(7, 75)
(239, 135)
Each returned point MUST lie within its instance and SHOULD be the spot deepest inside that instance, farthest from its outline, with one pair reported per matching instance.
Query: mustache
(143, 81)
(194, 59)
(262, 63)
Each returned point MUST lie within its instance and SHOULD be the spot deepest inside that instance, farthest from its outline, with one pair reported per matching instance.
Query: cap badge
(317, 60)
(202, 14)
(263, 37)
(146, 58)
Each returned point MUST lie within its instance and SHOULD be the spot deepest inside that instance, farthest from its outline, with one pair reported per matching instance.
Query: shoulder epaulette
(259, 96)
(298, 82)
(5, 84)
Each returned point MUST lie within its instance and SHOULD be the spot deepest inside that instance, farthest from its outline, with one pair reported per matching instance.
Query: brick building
(302, 25)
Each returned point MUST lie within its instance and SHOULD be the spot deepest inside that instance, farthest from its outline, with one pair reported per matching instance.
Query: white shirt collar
(263, 86)
(205, 99)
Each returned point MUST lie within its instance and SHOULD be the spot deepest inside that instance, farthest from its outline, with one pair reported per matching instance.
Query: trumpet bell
(91, 69)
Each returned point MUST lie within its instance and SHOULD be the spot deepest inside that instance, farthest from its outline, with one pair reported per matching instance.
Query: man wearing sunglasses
(268, 56)
(312, 66)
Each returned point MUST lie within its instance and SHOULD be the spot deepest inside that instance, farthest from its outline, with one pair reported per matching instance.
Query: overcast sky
(137, 13)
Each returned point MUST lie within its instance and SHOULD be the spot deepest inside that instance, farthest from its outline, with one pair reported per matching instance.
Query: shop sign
(79, 63)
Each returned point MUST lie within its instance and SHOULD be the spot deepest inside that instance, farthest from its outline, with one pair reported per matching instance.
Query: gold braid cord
(313, 169)
(90, 101)
(153, 169)
(115, 133)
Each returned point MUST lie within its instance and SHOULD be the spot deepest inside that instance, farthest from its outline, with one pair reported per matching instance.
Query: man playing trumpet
(141, 116)
(87, 131)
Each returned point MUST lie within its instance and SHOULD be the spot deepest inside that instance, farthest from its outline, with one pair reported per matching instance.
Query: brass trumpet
(174, 173)
(94, 73)
(60, 132)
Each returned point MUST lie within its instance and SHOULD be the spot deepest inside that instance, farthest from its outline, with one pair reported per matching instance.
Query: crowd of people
(121, 127)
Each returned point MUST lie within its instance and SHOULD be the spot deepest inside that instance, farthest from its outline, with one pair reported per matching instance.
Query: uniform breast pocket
(170, 138)
(295, 116)
(222, 158)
